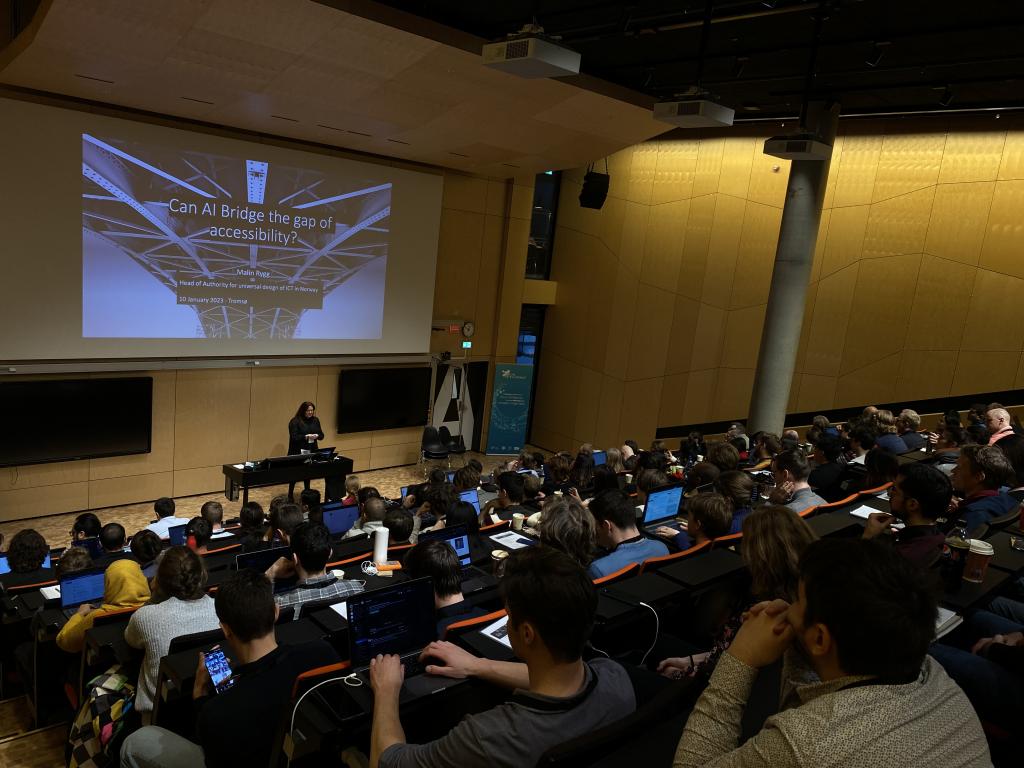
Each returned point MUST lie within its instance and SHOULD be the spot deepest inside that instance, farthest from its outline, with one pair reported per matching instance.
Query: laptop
(662, 508)
(394, 620)
(338, 518)
(449, 477)
(473, 497)
(176, 535)
(324, 454)
(5, 567)
(600, 457)
(81, 587)
(457, 537)
(261, 559)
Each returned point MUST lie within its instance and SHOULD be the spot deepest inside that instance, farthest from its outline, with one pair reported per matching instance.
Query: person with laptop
(213, 513)
(311, 548)
(400, 524)
(858, 688)
(309, 501)
(370, 518)
(509, 501)
(86, 526)
(27, 560)
(617, 534)
(791, 471)
(237, 726)
(284, 519)
(165, 518)
(439, 561)
(197, 535)
(708, 516)
(124, 586)
(112, 539)
(551, 605)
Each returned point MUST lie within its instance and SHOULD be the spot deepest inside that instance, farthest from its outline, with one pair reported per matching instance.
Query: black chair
(985, 530)
(455, 444)
(432, 449)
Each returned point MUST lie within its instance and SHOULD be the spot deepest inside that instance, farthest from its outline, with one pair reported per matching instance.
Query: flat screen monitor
(81, 418)
(382, 398)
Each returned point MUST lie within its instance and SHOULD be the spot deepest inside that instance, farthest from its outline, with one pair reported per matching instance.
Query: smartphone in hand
(220, 671)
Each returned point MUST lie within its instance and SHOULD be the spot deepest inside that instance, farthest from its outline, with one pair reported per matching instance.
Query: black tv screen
(382, 398)
(64, 420)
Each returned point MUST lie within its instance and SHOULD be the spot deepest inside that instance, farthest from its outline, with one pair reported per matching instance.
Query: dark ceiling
(873, 56)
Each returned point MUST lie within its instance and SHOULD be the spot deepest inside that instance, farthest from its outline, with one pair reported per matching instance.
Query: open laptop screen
(457, 537)
(176, 535)
(5, 567)
(82, 587)
(662, 504)
(339, 519)
(261, 559)
(398, 619)
(599, 458)
(473, 497)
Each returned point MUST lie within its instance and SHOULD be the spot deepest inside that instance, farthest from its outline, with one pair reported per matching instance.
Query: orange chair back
(873, 491)
(495, 526)
(722, 542)
(623, 573)
(311, 674)
(467, 625)
(655, 563)
(348, 560)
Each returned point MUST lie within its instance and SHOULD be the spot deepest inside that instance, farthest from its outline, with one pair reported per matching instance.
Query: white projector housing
(694, 113)
(798, 147)
(532, 57)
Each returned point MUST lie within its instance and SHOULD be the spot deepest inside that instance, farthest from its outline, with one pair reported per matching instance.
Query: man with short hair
(859, 689)
(309, 502)
(551, 605)
(907, 426)
(237, 726)
(827, 475)
(164, 508)
(112, 539)
(919, 496)
(438, 560)
(979, 473)
(197, 535)
(311, 549)
(999, 424)
(283, 520)
(861, 441)
(87, 526)
(791, 470)
(371, 518)
(617, 534)
(399, 524)
(511, 493)
(708, 516)
(213, 513)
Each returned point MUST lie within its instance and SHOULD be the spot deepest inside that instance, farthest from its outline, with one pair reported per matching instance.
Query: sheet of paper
(946, 622)
(238, 466)
(511, 540)
(50, 593)
(864, 511)
(498, 631)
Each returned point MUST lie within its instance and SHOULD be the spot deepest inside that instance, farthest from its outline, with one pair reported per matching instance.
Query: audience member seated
(613, 460)
(400, 525)
(791, 470)
(87, 526)
(617, 534)
(979, 473)
(907, 427)
(284, 519)
(371, 518)
(179, 606)
(827, 474)
(824, 427)
(646, 481)
(75, 559)
(605, 479)
(236, 727)
(581, 475)
(990, 669)
(861, 691)
(463, 513)
(352, 484)
(25, 557)
(309, 502)
(438, 560)
(213, 513)
(112, 540)
(551, 606)
(466, 479)
(311, 549)
(919, 496)
(724, 456)
(533, 498)
(702, 473)
(439, 498)
(738, 489)
(1012, 447)
(511, 493)
(165, 519)
(999, 424)
(765, 447)
(881, 467)
(569, 527)
(708, 516)
(253, 531)
(124, 586)
(774, 538)
(692, 448)
(197, 535)
(947, 447)
(556, 475)
(861, 441)
(887, 439)
(145, 547)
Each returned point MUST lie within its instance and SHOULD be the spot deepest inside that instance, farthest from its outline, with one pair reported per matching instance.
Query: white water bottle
(380, 545)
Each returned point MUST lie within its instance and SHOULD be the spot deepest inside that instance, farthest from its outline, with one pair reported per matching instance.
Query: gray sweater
(152, 628)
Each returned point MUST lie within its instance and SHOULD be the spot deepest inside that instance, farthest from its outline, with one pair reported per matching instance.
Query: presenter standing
(303, 432)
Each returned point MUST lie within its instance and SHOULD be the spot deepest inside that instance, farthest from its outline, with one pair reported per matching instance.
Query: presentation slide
(137, 240)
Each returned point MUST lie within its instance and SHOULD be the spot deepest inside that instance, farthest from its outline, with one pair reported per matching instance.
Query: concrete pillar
(794, 256)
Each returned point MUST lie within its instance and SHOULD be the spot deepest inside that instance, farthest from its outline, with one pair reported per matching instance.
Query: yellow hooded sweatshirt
(124, 586)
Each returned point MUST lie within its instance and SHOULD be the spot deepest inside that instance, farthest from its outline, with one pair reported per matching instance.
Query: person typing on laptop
(708, 516)
(235, 727)
(311, 548)
(551, 605)
(438, 560)
(617, 533)
(124, 586)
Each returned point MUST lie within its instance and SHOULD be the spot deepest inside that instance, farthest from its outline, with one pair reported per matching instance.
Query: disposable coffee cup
(518, 518)
(978, 558)
(629, 478)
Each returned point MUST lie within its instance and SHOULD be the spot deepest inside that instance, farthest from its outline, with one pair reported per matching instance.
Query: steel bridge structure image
(127, 194)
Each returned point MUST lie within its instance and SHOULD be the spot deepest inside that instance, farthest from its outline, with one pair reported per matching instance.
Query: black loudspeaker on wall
(595, 189)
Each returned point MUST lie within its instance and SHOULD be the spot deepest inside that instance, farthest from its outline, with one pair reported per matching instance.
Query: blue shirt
(627, 552)
(890, 442)
(984, 508)
(737, 519)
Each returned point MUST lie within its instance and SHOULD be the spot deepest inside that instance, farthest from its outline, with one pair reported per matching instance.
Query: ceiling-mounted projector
(694, 113)
(531, 54)
(799, 146)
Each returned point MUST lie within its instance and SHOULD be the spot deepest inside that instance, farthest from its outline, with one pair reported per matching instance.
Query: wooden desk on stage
(244, 479)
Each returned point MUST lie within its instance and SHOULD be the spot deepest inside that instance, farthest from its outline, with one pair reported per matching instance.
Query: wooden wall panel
(272, 404)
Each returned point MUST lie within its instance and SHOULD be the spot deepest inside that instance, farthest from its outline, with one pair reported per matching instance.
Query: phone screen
(219, 668)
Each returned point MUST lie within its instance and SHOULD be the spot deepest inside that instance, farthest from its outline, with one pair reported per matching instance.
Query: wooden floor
(35, 749)
(56, 529)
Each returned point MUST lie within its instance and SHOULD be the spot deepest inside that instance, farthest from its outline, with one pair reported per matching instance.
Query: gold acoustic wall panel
(915, 290)
(205, 418)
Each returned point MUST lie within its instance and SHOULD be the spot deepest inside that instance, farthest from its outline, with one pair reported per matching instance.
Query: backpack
(109, 699)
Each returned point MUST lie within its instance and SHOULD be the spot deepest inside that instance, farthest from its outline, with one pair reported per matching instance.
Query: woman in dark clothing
(303, 432)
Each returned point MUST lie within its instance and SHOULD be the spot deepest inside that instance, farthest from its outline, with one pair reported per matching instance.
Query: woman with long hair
(304, 431)
(581, 474)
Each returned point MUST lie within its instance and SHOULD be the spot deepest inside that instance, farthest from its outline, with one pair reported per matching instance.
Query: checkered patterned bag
(110, 697)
